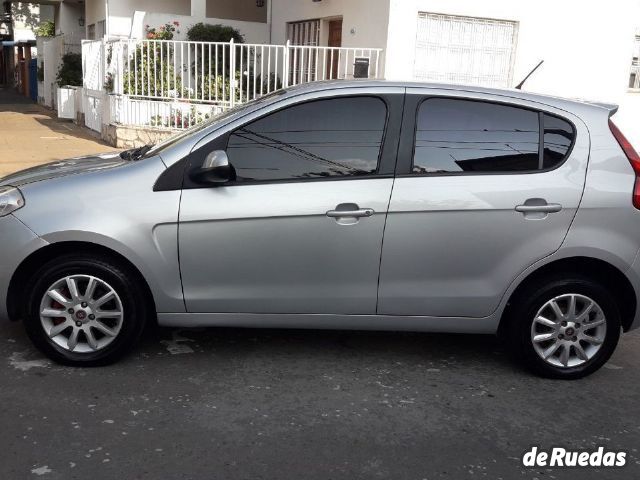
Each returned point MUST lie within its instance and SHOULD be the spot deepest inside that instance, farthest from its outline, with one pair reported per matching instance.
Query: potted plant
(69, 78)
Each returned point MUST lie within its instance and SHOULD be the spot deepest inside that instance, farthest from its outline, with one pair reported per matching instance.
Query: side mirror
(215, 169)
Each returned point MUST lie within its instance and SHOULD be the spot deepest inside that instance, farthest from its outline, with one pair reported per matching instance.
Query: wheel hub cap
(81, 313)
(568, 330)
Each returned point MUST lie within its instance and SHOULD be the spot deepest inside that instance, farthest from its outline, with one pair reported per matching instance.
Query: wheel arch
(29, 266)
(615, 280)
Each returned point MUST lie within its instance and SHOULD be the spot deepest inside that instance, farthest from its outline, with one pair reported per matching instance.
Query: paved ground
(31, 135)
(227, 404)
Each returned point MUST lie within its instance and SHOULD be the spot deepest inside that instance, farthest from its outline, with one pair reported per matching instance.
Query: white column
(199, 8)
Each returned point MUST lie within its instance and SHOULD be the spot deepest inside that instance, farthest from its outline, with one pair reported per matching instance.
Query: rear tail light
(632, 156)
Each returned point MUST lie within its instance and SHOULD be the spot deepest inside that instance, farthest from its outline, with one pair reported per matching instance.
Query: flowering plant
(164, 32)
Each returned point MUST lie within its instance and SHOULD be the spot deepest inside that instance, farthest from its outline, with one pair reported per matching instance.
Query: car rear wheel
(84, 310)
(564, 327)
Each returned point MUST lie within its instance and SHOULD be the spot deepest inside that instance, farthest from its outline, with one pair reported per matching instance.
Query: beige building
(590, 49)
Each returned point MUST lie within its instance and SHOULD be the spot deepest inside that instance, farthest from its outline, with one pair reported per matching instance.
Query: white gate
(93, 81)
(468, 50)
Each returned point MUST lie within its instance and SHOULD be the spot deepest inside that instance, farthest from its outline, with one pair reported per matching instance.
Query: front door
(300, 229)
(484, 190)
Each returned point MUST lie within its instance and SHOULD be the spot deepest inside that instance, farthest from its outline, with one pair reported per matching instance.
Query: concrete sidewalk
(31, 135)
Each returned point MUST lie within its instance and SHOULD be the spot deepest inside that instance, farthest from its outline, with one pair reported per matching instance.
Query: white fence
(175, 84)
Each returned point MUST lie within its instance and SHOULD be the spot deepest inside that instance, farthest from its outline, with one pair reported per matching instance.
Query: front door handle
(546, 208)
(360, 212)
(349, 213)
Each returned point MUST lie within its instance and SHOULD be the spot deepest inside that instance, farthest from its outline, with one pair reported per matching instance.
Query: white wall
(586, 45)
(95, 11)
(367, 19)
(121, 13)
(67, 20)
(254, 32)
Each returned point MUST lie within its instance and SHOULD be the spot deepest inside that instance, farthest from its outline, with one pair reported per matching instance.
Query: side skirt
(332, 322)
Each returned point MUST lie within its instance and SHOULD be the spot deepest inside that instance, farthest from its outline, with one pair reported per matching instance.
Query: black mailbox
(361, 67)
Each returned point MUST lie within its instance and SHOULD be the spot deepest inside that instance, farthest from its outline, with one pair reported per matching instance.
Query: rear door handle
(546, 208)
(360, 212)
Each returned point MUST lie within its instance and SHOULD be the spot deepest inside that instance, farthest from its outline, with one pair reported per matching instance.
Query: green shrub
(163, 32)
(177, 119)
(212, 85)
(46, 29)
(204, 32)
(148, 70)
(70, 72)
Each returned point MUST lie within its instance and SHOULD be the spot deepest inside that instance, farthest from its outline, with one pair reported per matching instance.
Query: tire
(531, 310)
(123, 315)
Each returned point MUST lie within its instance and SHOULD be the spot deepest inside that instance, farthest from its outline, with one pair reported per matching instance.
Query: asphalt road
(227, 404)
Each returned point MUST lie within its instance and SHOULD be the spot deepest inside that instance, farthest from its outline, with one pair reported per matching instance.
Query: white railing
(173, 84)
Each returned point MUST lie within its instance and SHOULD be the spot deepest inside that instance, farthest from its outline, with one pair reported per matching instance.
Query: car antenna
(519, 86)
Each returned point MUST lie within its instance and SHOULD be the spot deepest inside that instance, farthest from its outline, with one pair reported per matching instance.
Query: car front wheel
(84, 310)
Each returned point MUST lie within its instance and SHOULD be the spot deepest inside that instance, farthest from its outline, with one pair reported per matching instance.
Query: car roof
(512, 93)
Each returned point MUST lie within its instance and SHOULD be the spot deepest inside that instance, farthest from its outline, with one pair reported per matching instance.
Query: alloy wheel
(568, 330)
(81, 313)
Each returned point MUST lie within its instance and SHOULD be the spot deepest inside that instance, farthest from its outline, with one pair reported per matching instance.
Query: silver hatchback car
(340, 205)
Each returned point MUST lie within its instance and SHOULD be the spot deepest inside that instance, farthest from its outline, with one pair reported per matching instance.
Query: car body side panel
(453, 243)
(272, 248)
(117, 209)
(16, 243)
(607, 219)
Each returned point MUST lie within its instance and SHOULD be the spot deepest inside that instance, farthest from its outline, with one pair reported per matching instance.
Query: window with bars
(303, 62)
(456, 49)
(101, 28)
(304, 33)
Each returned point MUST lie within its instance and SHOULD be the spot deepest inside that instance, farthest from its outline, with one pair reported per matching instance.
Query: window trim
(541, 114)
(188, 183)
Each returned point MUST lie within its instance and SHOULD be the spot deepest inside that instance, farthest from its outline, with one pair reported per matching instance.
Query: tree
(46, 29)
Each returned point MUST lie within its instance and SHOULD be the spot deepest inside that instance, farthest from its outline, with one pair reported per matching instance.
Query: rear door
(300, 230)
(485, 188)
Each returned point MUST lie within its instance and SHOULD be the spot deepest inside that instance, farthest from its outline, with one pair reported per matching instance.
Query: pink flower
(176, 23)
(150, 35)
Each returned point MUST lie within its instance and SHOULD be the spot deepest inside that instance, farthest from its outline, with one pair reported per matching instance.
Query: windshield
(216, 118)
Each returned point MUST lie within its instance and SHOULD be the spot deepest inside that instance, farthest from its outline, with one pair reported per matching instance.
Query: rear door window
(468, 136)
